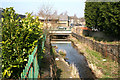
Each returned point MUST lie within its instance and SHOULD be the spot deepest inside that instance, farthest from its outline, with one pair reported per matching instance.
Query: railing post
(32, 67)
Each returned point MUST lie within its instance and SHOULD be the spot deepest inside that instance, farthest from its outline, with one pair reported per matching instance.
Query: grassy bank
(102, 67)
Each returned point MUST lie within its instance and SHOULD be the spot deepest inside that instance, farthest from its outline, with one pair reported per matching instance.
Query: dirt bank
(64, 69)
(100, 66)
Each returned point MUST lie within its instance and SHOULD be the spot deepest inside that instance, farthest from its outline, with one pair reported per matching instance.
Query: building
(82, 21)
(55, 20)
(19, 15)
(1, 10)
(81, 30)
(63, 20)
(50, 22)
(74, 21)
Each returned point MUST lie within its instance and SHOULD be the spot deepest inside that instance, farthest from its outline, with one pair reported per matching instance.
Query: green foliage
(103, 16)
(19, 37)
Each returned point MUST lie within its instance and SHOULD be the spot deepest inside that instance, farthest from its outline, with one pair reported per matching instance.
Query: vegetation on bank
(101, 40)
(19, 37)
(108, 67)
(64, 70)
(103, 16)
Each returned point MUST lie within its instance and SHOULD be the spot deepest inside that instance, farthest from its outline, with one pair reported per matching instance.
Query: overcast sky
(23, 6)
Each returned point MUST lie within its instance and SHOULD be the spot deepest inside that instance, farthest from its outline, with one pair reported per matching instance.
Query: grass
(109, 68)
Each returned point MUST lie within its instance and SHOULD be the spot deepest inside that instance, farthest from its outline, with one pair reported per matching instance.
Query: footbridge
(60, 34)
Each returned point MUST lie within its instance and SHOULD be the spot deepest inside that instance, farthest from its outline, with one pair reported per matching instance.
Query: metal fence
(32, 67)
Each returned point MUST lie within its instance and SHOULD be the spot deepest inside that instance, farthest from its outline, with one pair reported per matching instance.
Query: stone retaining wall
(112, 51)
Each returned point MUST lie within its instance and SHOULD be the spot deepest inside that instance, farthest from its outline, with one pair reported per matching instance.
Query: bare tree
(55, 13)
(65, 13)
(46, 13)
(50, 16)
(62, 13)
(55, 19)
(75, 19)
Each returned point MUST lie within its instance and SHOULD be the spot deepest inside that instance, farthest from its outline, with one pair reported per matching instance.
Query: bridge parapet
(60, 31)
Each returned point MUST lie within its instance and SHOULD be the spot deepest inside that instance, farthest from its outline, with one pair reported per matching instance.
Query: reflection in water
(76, 58)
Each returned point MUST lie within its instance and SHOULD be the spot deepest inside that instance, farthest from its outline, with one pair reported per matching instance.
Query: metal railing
(32, 67)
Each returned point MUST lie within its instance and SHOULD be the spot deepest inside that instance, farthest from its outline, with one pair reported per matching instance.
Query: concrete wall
(98, 35)
(107, 50)
(101, 35)
(78, 30)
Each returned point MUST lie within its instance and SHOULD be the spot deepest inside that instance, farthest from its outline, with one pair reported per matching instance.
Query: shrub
(19, 37)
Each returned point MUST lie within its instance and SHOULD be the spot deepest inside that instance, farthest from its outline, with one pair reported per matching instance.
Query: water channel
(74, 57)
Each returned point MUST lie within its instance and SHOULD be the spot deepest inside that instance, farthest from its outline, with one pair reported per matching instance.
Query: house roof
(1, 10)
(55, 17)
(82, 19)
(83, 28)
(63, 18)
(19, 15)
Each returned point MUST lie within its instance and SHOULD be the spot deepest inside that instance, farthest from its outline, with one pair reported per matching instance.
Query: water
(75, 57)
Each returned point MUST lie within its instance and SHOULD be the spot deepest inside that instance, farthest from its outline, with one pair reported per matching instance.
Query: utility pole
(68, 20)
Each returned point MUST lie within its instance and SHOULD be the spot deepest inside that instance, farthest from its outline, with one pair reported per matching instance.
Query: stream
(73, 56)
